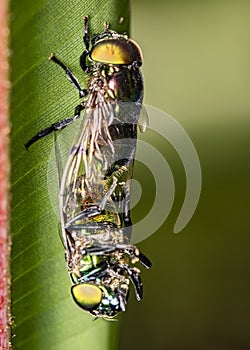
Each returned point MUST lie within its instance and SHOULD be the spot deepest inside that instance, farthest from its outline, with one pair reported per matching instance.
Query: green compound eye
(87, 296)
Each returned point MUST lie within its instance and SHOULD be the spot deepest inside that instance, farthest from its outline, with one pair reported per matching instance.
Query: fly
(94, 192)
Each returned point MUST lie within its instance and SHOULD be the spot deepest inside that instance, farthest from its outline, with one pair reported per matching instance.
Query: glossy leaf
(45, 316)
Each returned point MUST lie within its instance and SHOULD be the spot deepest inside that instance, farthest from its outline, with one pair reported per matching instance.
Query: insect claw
(51, 56)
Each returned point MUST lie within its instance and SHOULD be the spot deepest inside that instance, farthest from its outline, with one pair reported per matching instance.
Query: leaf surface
(45, 316)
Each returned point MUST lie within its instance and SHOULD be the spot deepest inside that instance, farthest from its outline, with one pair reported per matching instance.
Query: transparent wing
(143, 121)
(92, 176)
(57, 161)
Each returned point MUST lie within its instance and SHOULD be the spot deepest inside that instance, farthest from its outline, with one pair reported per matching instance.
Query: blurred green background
(196, 68)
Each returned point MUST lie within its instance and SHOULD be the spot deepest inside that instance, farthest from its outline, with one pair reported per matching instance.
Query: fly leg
(126, 214)
(124, 210)
(86, 213)
(55, 126)
(131, 250)
(72, 78)
(104, 34)
(86, 41)
(69, 245)
(65, 122)
(134, 254)
(134, 276)
(122, 299)
(119, 171)
(86, 33)
(108, 194)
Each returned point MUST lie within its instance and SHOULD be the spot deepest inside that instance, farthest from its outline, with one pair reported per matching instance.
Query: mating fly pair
(94, 192)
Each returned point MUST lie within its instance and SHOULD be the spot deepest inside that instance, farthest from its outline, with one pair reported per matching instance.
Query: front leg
(86, 42)
(83, 63)
(72, 78)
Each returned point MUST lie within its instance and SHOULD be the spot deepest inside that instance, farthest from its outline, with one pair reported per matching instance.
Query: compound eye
(87, 296)
(115, 51)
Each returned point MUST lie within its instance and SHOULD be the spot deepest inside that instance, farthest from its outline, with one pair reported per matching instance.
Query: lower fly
(94, 191)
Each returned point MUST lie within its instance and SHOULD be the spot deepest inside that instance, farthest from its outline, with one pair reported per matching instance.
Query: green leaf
(45, 316)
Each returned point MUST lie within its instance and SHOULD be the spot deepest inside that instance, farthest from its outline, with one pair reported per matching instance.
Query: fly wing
(83, 186)
(94, 190)
(57, 161)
